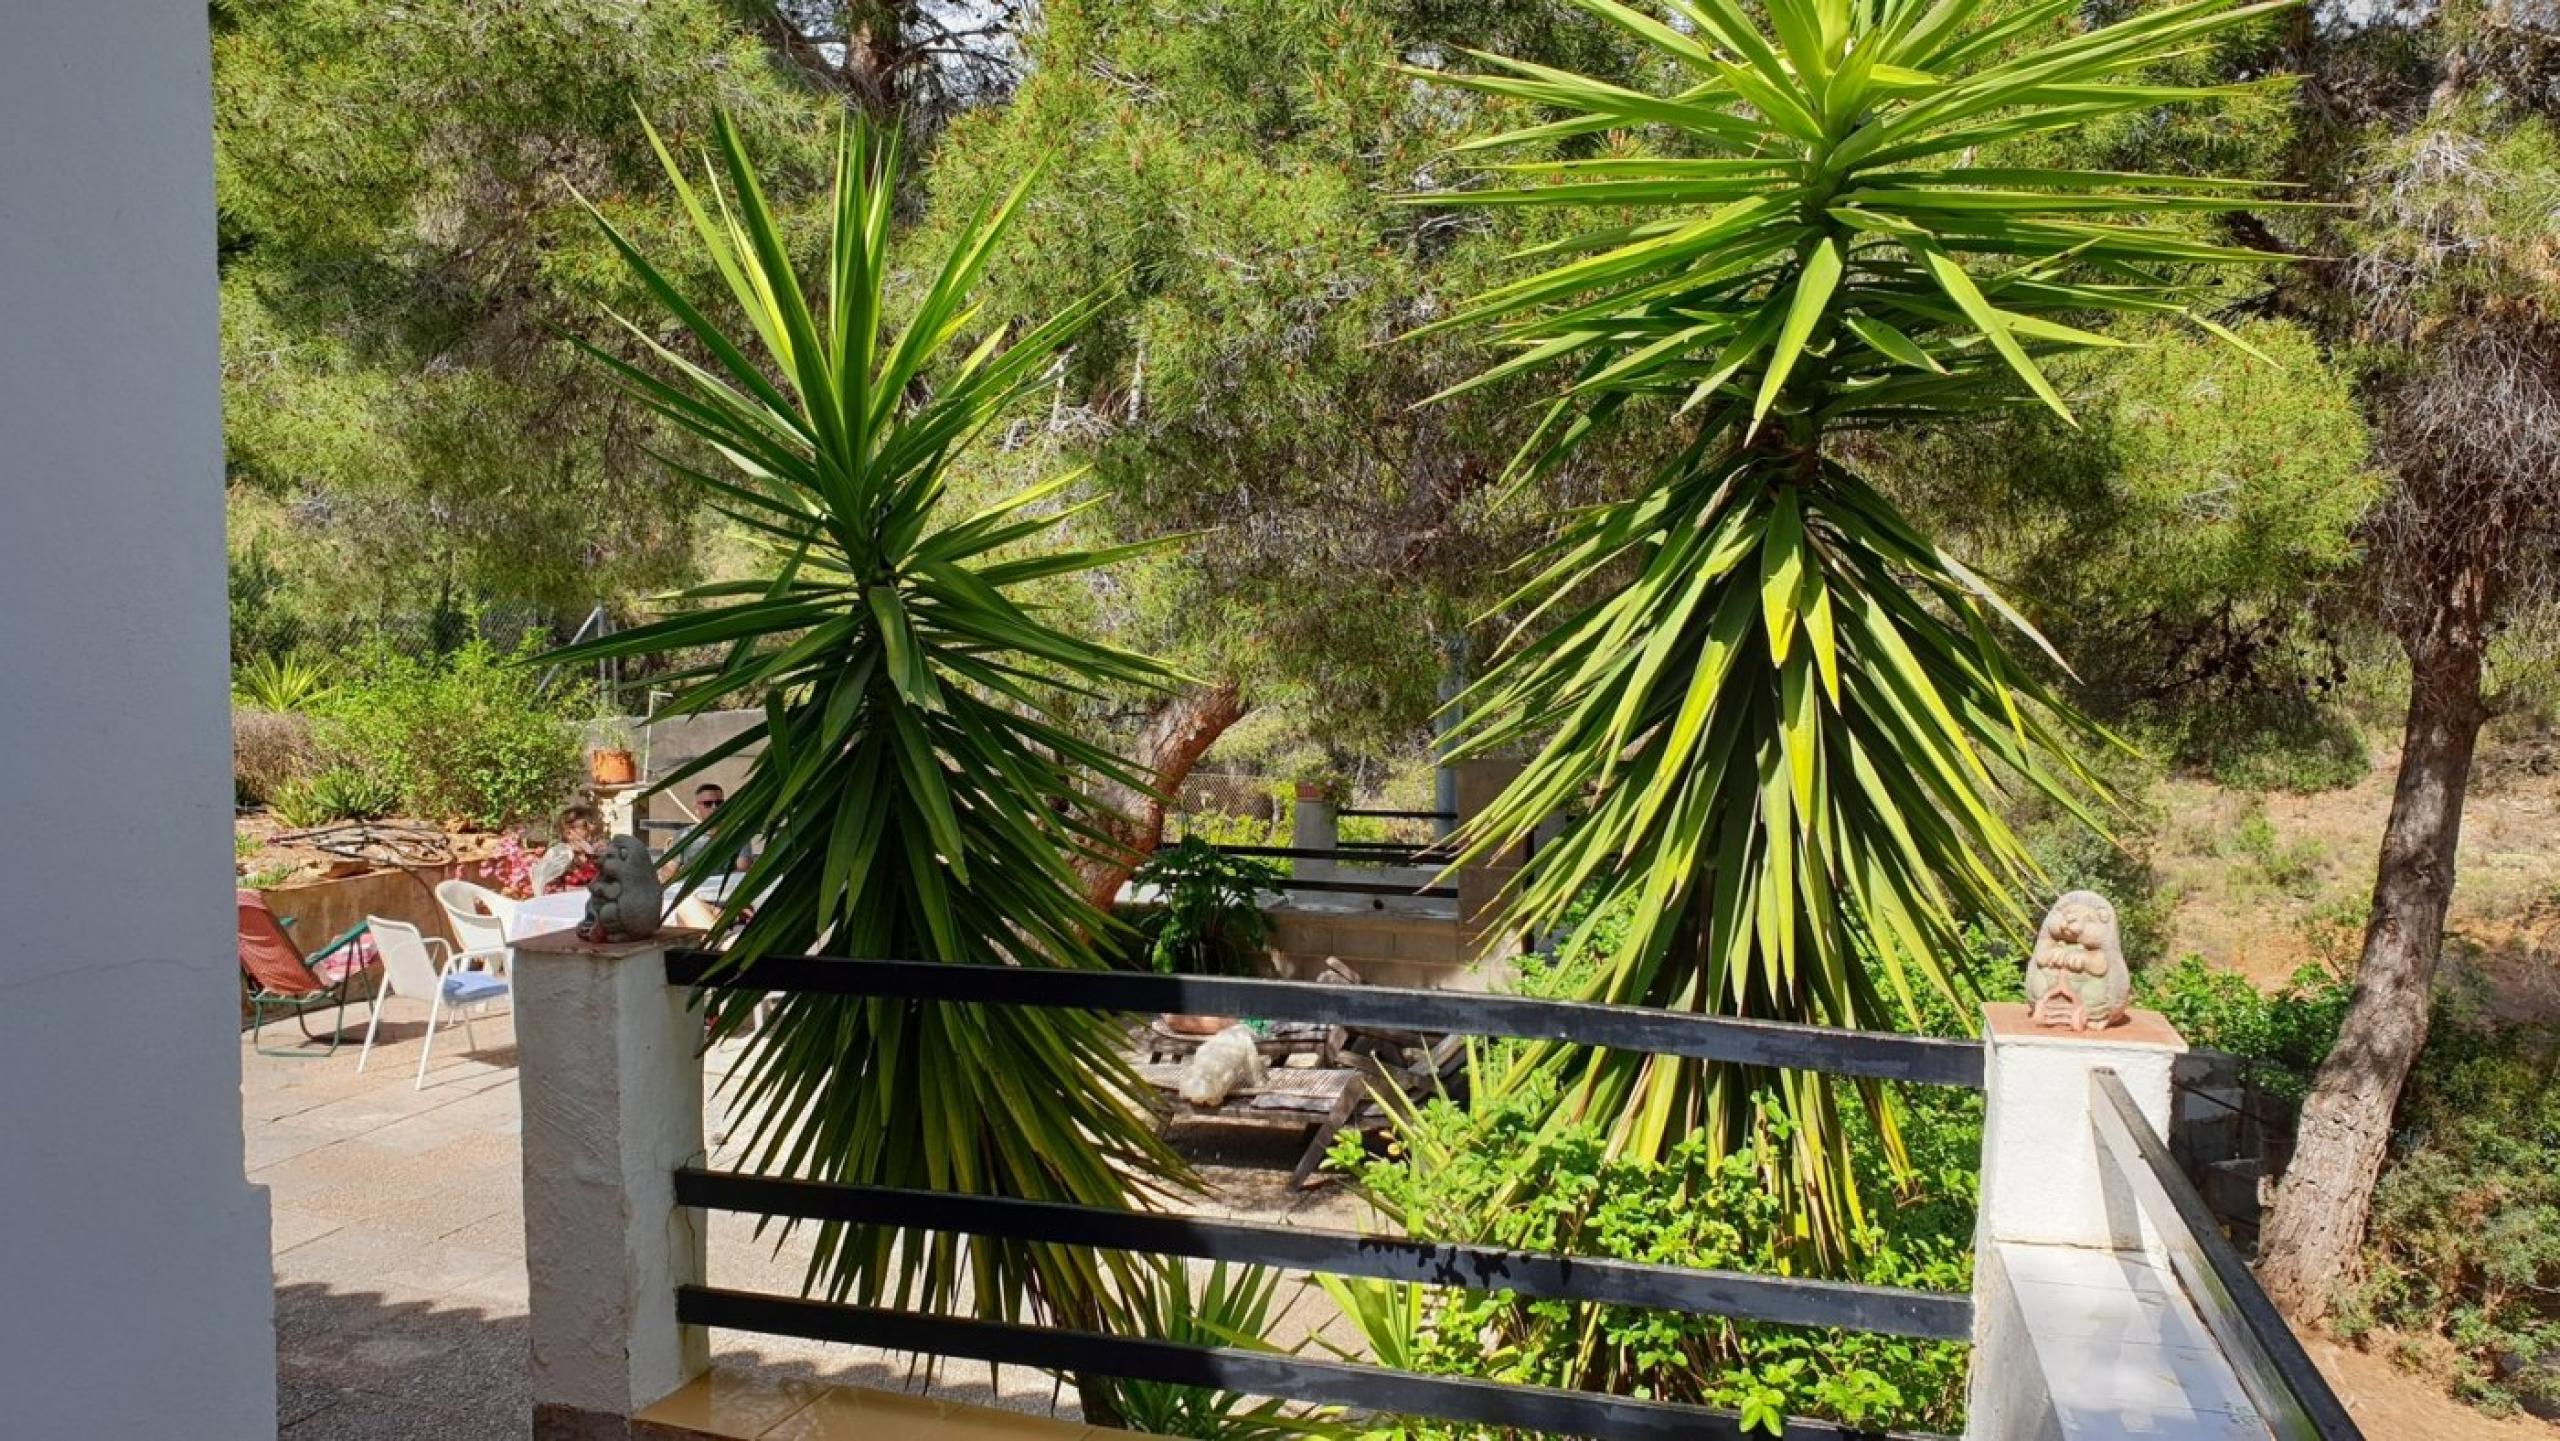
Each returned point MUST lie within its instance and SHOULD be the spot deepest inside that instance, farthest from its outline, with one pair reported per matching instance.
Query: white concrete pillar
(1315, 825)
(2053, 1203)
(2043, 1179)
(611, 1079)
(136, 1289)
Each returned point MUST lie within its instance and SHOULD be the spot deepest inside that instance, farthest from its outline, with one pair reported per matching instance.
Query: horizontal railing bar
(1790, 1301)
(1396, 815)
(1257, 1373)
(1921, 1059)
(1353, 852)
(1365, 888)
(2291, 1395)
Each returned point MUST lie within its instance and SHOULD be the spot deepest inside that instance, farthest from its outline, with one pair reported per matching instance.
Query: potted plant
(1207, 920)
(609, 761)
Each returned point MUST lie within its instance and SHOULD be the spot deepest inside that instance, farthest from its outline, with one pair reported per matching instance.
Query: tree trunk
(1181, 729)
(2313, 1236)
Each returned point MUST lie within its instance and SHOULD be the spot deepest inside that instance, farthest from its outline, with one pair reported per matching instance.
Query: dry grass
(268, 748)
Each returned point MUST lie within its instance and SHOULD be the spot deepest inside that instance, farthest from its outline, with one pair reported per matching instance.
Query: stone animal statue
(2077, 975)
(624, 901)
(1225, 1063)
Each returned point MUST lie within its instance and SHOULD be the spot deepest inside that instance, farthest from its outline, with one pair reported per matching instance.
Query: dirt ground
(2264, 885)
(2267, 884)
(2390, 1401)
(267, 854)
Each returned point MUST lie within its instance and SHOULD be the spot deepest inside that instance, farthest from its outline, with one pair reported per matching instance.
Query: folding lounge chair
(281, 980)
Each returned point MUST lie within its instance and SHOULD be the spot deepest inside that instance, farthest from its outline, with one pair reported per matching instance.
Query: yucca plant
(286, 684)
(917, 797)
(1785, 715)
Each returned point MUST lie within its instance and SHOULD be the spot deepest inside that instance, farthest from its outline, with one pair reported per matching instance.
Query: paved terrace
(399, 1255)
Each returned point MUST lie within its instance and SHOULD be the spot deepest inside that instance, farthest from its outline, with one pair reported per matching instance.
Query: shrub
(1495, 1174)
(268, 751)
(1221, 829)
(1209, 919)
(2465, 1235)
(2281, 1037)
(338, 792)
(470, 739)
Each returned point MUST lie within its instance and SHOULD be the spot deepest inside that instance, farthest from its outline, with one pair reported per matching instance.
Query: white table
(563, 910)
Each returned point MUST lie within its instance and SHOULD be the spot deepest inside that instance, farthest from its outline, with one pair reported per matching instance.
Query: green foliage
(1498, 1174)
(470, 738)
(2282, 1036)
(337, 792)
(918, 795)
(285, 684)
(1218, 829)
(1228, 1307)
(267, 878)
(2185, 542)
(1780, 706)
(1235, 171)
(2465, 1233)
(2273, 739)
(400, 254)
(2292, 867)
(1208, 919)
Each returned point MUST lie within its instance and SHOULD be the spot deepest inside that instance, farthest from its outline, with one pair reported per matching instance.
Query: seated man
(707, 800)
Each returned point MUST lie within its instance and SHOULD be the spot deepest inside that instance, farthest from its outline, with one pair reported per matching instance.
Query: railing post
(2046, 1184)
(1482, 882)
(1315, 825)
(610, 1077)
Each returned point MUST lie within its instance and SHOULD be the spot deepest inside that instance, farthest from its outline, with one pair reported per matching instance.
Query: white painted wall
(133, 1256)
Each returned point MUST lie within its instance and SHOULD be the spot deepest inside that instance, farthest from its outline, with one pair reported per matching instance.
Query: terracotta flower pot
(1197, 1025)
(610, 767)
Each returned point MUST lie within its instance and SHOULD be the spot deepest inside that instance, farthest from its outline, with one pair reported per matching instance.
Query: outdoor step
(741, 1406)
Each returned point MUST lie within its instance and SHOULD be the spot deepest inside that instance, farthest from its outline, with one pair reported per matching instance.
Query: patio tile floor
(399, 1249)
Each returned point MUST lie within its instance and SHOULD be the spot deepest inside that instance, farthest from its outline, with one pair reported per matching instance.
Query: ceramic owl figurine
(624, 901)
(2077, 975)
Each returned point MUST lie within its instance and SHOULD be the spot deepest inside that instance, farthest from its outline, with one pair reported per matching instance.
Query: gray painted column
(134, 1262)
(611, 1083)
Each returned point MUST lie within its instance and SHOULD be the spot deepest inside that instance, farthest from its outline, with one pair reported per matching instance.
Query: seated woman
(571, 861)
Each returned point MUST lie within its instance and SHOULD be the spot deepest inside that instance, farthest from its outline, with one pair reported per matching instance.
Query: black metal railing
(2291, 1395)
(1373, 854)
(1930, 1315)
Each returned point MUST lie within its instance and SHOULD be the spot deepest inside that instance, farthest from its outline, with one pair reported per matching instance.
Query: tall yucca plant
(917, 795)
(1787, 716)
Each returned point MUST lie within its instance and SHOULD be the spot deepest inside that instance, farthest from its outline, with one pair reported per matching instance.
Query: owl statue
(2077, 976)
(624, 901)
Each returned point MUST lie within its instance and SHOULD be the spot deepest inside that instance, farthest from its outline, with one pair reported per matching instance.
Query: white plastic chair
(411, 972)
(480, 918)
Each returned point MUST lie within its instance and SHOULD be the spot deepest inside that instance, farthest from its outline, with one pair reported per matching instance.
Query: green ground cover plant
(2465, 1238)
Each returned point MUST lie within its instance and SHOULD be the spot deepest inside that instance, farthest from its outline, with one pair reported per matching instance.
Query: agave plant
(917, 797)
(285, 684)
(1788, 717)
